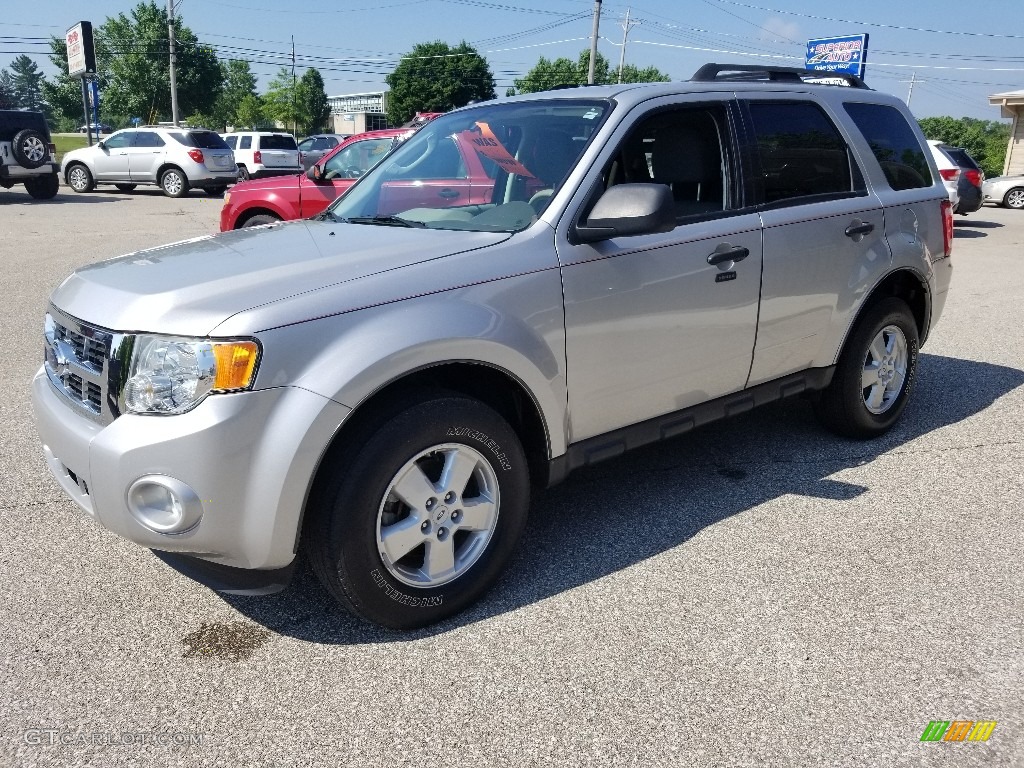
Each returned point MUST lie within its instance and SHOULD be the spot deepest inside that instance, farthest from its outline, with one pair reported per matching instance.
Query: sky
(947, 57)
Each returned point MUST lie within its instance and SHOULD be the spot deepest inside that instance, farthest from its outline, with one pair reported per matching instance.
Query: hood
(189, 288)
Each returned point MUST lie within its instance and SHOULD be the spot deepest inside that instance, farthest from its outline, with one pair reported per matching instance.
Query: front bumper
(249, 457)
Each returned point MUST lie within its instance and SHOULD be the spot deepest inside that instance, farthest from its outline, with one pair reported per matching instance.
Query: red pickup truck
(454, 175)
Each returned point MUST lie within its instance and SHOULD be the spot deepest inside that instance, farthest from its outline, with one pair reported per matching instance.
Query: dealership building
(1011, 105)
(359, 112)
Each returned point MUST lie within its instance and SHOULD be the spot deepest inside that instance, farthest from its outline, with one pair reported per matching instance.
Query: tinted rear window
(201, 139)
(277, 141)
(960, 157)
(893, 143)
(12, 121)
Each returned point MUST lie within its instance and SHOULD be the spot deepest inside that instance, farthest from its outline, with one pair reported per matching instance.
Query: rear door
(145, 155)
(824, 241)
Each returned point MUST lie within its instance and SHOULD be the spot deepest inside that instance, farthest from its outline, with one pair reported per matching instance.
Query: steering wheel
(431, 143)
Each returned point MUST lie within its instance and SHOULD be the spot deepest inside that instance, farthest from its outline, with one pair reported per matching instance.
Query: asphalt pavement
(756, 593)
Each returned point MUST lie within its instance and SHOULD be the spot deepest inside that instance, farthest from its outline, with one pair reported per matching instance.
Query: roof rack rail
(710, 73)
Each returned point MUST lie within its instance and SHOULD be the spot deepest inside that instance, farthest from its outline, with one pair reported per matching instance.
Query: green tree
(281, 103)
(250, 113)
(315, 109)
(6, 90)
(547, 74)
(985, 140)
(27, 81)
(136, 50)
(434, 77)
(239, 82)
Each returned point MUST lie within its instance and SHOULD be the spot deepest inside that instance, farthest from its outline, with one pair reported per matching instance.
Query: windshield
(493, 168)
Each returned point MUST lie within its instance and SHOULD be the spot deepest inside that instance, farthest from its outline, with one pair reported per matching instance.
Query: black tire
(125, 187)
(79, 178)
(351, 500)
(43, 187)
(258, 221)
(30, 148)
(847, 406)
(1014, 198)
(216, 191)
(174, 182)
(243, 173)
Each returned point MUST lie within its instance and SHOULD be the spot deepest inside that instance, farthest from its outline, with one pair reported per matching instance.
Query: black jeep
(26, 154)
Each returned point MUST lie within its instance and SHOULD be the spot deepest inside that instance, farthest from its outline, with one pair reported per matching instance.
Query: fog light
(163, 504)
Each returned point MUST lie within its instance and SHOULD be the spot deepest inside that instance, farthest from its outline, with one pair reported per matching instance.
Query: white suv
(259, 154)
(175, 159)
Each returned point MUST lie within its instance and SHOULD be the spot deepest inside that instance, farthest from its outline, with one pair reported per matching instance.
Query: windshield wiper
(324, 215)
(387, 221)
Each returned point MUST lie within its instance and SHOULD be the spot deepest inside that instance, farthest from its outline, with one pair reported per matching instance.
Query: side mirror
(315, 173)
(626, 210)
(100, 144)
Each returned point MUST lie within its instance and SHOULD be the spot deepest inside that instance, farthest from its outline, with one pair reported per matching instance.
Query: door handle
(726, 252)
(448, 194)
(859, 228)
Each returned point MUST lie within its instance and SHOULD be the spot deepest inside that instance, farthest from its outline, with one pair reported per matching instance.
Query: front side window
(684, 149)
(119, 140)
(231, 141)
(803, 156)
(893, 143)
(245, 143)
(356, 159)
(491, 168)
(306, 144)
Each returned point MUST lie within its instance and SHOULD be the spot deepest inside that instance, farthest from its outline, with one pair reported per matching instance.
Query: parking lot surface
(757, 593)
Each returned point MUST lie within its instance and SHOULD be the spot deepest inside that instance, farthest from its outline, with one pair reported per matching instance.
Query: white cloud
(779, 29)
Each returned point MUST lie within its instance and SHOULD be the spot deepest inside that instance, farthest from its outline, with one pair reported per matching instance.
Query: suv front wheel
(875, 374)
(79, 178)
(418, 513)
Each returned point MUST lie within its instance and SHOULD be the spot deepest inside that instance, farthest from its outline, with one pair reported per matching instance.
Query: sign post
(82, 63)
(845, 55)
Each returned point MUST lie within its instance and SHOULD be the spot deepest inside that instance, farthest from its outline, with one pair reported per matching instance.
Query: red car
(454, 174)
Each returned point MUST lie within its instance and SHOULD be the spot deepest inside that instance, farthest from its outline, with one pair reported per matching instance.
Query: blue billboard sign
(840, 55)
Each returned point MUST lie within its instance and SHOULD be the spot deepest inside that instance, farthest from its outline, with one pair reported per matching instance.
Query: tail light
(973, 176)
(949, 174)
(196, 154)
(257, 156)
(53, 149)
(947, 228)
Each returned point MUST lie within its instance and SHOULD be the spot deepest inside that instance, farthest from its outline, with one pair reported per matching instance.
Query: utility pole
(910, 92)
(295, 112)
(593, 42)
(626, 26)
(174, 60)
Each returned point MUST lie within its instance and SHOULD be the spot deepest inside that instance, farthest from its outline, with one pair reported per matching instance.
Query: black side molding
(611, 444)
(225, 578)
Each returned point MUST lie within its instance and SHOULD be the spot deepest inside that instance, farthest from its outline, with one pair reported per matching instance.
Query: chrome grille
(81, 363)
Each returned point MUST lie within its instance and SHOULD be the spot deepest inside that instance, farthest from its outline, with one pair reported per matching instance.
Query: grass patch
(67, 143)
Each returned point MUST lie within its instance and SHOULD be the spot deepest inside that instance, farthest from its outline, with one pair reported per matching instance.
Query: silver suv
(175, 159)
(526, 286)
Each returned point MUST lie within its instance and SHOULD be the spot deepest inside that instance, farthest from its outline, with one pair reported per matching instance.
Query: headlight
(172, 375)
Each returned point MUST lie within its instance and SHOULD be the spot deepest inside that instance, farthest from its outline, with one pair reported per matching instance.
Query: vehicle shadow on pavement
(614, 515)
(979, 224)
(62, 198)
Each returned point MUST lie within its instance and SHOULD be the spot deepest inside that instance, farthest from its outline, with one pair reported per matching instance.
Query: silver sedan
(1007, 191)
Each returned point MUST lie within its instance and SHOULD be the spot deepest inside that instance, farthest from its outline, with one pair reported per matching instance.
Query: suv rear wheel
(875, 375)
(174, 183)
(418, 514)
(79, 178)
(43, 187)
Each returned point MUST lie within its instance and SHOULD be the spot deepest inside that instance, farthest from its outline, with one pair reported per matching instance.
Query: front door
(111, 160)
(658, 323)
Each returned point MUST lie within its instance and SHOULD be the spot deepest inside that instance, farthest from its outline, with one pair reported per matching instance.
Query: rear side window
(277, 141)
(147, 139)
(893, 143)
(245, 143)
(231, 141)
(803, 156)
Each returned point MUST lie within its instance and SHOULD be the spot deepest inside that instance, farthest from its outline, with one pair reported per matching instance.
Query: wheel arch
(166, 166)
(905, 284)
(256, 210)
